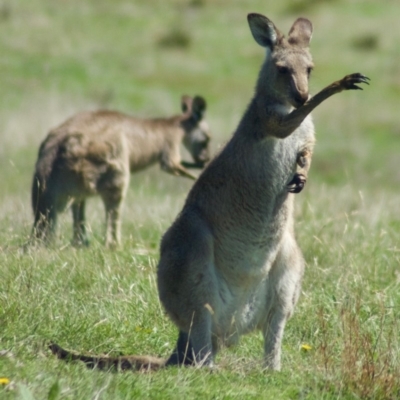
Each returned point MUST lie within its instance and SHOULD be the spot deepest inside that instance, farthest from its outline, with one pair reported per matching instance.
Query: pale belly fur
(242, 300)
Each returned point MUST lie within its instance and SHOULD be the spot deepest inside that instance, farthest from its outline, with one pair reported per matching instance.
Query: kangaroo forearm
(290, 122)
(301, 113)
(183, 172)
(178, 170)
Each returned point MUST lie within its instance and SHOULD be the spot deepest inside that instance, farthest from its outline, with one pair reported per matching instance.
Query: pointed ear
(301, 32)
(264, 31)
(186, 104)
(198, 108)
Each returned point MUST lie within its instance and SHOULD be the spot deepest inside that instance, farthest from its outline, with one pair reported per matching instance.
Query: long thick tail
(43, 210)
(42, 193)
(137, 363)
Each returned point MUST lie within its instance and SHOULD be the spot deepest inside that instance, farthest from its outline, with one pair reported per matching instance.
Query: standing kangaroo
(230, 263)
(93, 153)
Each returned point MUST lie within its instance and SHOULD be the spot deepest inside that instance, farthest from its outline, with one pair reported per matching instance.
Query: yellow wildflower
(4, 381)
(305, 347)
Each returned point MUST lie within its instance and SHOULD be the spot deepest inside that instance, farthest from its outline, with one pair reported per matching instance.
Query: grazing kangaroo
(92, 153)
(230, 263)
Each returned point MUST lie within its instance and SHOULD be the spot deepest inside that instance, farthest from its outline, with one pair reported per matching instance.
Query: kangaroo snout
(299, 89)
(300, 98)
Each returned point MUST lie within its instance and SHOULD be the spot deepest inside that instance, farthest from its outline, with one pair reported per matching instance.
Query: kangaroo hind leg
(113, 204)
(194, 347)
(79, 224)
(182, 354)
(284, 284)
(188, 289)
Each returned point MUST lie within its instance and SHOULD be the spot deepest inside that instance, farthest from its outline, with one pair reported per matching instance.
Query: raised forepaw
(350, 82)
(296, 185)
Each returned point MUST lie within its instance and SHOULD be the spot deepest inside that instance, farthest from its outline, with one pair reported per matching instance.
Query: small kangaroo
(230, 263)
(93, 153)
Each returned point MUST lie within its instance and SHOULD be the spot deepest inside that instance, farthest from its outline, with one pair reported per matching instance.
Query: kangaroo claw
(349, 82)
(296, 185)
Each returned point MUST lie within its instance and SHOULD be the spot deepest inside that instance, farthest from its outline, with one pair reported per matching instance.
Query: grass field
(58, 57)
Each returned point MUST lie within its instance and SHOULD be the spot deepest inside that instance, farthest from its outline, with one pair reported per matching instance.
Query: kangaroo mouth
(201, 162)
(197, 164)
(202, 159)
(299, 100)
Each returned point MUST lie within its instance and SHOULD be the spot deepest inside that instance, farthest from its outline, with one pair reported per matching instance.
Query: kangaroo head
(197, 135)
(288, 64)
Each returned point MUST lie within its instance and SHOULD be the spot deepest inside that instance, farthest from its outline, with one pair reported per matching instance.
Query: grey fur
(230, 262)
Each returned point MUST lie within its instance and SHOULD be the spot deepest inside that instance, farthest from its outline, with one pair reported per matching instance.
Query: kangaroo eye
(283, 70)
(309, 70)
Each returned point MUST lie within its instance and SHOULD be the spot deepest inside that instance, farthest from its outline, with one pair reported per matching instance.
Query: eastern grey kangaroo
(230, 263)
(93, 153)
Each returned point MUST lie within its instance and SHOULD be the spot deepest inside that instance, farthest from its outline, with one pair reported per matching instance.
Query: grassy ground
(58, 57)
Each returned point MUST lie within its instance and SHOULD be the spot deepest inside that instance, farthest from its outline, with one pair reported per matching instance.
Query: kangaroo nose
(301, 98)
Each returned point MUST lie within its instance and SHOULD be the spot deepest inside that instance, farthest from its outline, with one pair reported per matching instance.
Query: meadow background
(61, 56)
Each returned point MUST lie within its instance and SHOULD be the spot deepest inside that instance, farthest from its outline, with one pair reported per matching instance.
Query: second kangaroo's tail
(42, 191)
(43, 209)
(136, 363)
(37, 192)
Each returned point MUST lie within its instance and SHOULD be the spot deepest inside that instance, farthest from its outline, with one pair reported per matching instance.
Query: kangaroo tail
(137, 363)
(37, 192)
(41, 193)
(43, 212)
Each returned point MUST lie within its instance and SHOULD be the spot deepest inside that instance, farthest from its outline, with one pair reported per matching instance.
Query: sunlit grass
(98, 301)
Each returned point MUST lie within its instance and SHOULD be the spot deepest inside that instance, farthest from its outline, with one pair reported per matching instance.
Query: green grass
(59, 57)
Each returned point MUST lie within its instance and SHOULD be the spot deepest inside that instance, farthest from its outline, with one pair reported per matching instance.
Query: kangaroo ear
(301, 32)
(186, 104)
(199, 106)
(264, 31)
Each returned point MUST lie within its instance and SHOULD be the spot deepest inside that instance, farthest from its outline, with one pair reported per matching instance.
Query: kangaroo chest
(245, 249)
(250, 217)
